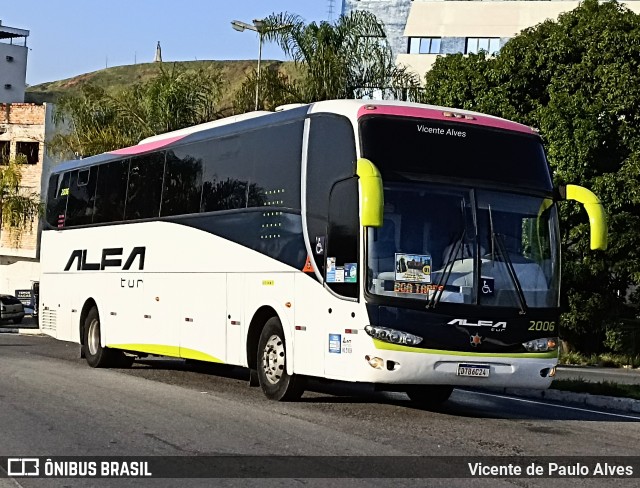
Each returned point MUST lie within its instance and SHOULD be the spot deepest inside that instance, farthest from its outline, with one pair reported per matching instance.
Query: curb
(584, 399)
(12, 330)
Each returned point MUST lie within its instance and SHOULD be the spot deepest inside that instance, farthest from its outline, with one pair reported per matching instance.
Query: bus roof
(352, 109)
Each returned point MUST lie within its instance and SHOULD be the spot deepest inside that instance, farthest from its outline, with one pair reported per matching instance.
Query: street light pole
(258, 26)
(260, 34)
(261, 28)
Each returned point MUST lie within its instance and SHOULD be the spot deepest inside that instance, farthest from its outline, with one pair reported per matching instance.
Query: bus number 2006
(540, 325)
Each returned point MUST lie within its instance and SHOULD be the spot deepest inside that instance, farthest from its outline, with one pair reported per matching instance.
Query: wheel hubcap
(273, 359)
(93, 337)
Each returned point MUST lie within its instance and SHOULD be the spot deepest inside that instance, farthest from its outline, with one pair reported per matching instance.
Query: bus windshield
(425, 149)
(441, 243)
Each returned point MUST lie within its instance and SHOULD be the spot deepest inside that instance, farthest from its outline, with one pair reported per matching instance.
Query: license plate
(476, 370)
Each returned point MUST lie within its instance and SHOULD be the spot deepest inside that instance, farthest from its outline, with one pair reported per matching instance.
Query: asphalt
(631, 376)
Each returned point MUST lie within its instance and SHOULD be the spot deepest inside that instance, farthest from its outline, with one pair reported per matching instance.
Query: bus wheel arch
(97, 355)
(267, 333)
(88, 305)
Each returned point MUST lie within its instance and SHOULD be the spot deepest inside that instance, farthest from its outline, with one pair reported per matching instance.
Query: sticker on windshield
(331, 270)
(488, 286)
(413, 267)
(350, 273)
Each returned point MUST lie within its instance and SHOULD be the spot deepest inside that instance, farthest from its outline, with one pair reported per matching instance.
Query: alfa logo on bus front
(495, 326)
(111, 257)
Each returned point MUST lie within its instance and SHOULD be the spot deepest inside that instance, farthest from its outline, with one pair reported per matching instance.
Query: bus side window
(57, 199)
(224, 175)
(274, 154)
(182, 182)
(80, 205)
(145, 186)
(111, 192)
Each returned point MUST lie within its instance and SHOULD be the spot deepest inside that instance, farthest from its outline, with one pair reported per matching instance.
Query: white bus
(408, 246)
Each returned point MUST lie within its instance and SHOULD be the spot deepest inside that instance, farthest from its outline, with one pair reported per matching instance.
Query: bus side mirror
(595, 210)
(371, 194)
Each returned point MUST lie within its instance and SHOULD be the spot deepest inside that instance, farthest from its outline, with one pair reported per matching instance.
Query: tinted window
(260, 168)
(182, 181)
(9, 300)
(331, 157)
(342, 242)
(111, 191)
(57, 199)
(404, 148)
(145, 186)
(81, 197)
(274, 155)
(224, 176)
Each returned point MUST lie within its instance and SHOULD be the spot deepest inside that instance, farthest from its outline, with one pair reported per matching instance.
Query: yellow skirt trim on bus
(171, 351)
(397, 347)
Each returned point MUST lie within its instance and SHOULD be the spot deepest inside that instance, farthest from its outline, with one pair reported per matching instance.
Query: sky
(72, 37)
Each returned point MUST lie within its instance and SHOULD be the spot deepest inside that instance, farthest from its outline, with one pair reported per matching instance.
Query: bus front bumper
(446, 368)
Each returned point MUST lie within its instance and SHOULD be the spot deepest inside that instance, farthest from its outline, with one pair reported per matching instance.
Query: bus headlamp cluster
(541, 345)
(392, 335)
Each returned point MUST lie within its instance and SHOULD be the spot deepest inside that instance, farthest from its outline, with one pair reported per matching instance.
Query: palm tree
(19, 208)
(101, 121)
(348, 59)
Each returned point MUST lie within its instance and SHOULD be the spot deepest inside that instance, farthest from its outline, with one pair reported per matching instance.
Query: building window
(424, 45)
(490, 45)
(30, 150)
(4, 152)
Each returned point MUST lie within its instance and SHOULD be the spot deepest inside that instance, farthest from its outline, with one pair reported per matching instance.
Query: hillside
(118, 77)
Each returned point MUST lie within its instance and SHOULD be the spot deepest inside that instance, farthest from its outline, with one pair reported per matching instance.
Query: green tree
(101, 121)
(19, 207)
(350, 58)
(577, 80)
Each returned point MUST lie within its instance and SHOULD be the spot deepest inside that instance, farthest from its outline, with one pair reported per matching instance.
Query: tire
(96, 355)
(272, 371)
(429, 395)
(17, 320)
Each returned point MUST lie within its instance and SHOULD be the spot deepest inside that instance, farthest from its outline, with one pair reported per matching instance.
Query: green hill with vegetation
(118, 77)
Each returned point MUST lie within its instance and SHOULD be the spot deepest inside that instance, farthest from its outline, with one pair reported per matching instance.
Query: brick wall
(22, 113)
(24, 122)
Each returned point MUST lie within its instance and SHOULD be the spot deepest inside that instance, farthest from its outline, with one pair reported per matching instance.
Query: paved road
(52, 404)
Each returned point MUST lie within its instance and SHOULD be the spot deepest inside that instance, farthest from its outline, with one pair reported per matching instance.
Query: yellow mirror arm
(595, 210)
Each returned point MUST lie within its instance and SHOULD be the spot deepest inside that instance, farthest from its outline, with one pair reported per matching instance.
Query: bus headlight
(392, 335)
(541, 345)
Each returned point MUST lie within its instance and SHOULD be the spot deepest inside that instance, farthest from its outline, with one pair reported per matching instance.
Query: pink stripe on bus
(438, 114)
(149, 146)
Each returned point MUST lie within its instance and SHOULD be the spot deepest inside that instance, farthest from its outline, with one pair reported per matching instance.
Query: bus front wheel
(272, 368)
(96, 355)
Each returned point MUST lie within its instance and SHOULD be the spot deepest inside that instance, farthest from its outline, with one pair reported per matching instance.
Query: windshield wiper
(446, 272)
(502, 249)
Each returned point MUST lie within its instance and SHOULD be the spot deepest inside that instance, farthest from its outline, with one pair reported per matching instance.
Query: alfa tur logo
(495, 326)
(111, 257)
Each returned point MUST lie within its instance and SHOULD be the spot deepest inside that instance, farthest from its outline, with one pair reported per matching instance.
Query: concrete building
(13, 63)
(25, 128)
(421, 30)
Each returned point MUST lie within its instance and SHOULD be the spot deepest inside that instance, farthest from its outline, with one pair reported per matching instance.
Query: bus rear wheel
(272, 368)
(429, 395)
(96, 355)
